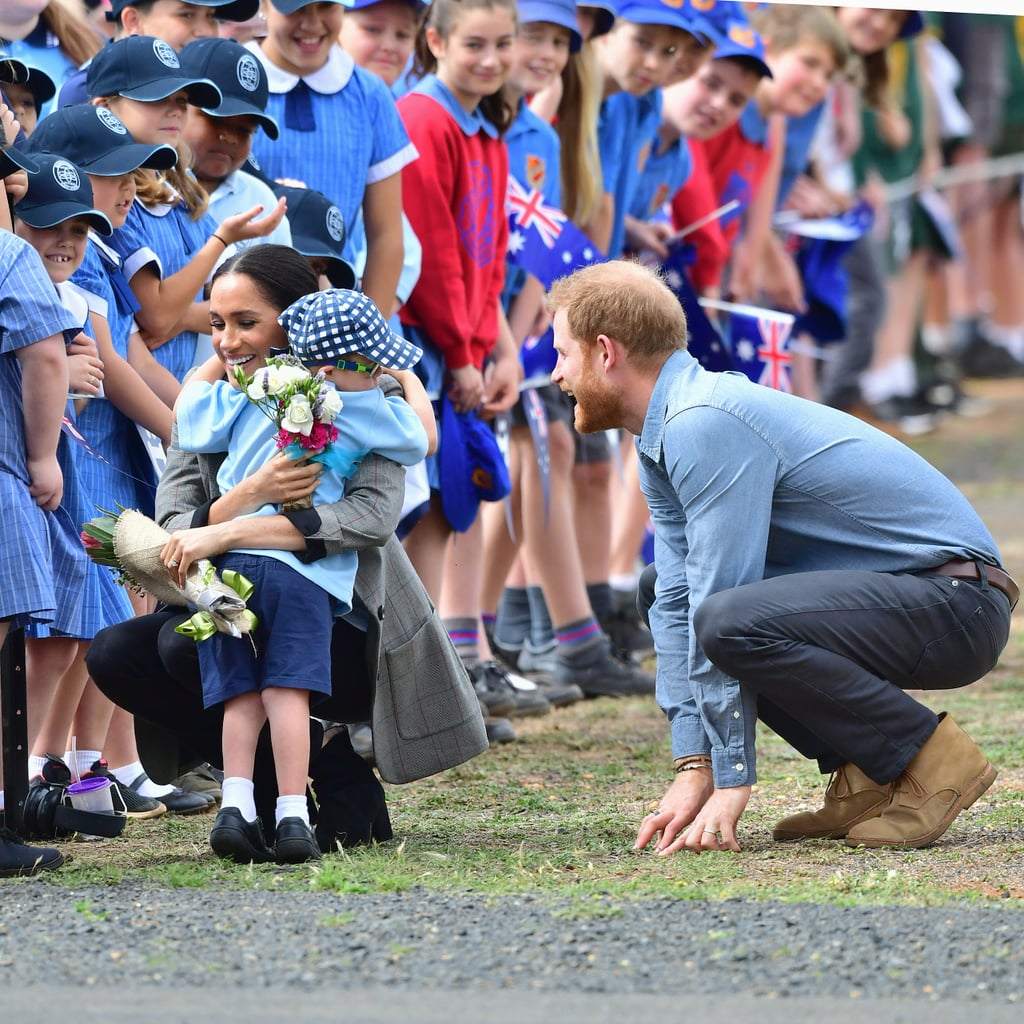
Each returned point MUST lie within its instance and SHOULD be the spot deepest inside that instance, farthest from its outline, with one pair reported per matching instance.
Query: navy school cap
(95, 139)
(227, 10)
(58, 191)
(240, 77)
(913, 24)
(604, 15)
(327, 325)
(12, 70)
(318, 230)
(147, 69)
(471, 466)
(556, 12)
(12, 160)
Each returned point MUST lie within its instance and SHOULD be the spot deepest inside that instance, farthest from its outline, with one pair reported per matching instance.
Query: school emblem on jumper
(477, 215)
(536, 171)
(165, 54)
(248, 73)
(65, 174)
(335, 224)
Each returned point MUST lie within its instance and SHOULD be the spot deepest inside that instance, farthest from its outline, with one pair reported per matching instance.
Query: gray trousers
(830, 654)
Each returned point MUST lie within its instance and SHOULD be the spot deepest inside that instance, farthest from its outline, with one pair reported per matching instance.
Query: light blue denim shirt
(745, 483)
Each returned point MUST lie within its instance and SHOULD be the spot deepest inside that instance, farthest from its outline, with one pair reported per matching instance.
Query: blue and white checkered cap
(327, 325)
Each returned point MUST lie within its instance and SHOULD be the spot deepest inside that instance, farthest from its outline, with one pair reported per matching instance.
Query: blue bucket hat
(58, 191)
(95, 139)
(471, 466)
(327, 325)
(318, 231)
(240, 77)
(227, 10)
(147, 69)
(291, 6)
(557, 12)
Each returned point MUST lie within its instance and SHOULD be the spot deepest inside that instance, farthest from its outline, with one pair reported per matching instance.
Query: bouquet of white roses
(130, 543)
(302, 405)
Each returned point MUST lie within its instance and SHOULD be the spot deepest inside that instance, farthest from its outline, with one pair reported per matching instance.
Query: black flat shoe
(234, 838)
(295, 843)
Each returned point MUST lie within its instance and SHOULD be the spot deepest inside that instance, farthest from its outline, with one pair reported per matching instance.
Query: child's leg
(288, 712)
(426, 544)
(244, 716)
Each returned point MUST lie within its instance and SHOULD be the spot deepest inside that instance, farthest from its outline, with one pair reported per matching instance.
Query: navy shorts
(291, 644)
(556, 403)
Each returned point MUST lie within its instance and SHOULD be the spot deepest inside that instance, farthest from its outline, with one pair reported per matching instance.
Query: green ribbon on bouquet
(202, 625)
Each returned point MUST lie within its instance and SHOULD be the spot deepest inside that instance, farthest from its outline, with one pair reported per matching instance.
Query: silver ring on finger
(173, 563)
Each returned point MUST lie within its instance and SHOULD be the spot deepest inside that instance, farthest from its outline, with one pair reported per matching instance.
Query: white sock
(128, 773)
(624, 582)
(895, 379)
(937, 339)
(291, 807)
(237, 792)
(1, 800)
(86, 759)
(35, 765)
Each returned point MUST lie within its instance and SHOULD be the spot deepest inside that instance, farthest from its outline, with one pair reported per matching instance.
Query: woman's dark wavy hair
(443, 16)
(279, 273)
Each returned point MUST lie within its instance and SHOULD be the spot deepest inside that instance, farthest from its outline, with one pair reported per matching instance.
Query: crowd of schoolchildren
(386, 141)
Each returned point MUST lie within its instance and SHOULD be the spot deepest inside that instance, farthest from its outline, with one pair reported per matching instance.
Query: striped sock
(465, 635)
(579, 637)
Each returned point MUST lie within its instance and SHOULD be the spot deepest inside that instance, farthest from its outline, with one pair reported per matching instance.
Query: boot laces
(908, 783)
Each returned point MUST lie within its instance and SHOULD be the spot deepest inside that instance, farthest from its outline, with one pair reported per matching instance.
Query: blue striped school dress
(87, 596)
(29, 312)
(167, 233)
(127, 478)
(340, 131)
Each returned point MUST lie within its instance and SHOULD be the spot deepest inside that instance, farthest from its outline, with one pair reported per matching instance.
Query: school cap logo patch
(335, 224)
(165, 54)
(110, 120)
(248, 73)
(66, 175)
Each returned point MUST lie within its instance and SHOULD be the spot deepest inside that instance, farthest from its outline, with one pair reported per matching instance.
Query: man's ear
(610, 351)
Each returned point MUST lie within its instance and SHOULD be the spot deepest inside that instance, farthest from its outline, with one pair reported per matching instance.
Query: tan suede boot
(851, 797)
(947, 775)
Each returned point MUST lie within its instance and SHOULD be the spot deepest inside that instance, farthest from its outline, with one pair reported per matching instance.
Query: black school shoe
(234, 838)
(17, 860)
(295, 842)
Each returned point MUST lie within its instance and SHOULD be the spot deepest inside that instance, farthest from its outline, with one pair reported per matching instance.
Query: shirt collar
(470, 124)
(679, 364)
(327, 80)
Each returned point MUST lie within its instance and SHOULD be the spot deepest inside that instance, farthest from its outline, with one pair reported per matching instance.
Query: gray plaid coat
(426, 716)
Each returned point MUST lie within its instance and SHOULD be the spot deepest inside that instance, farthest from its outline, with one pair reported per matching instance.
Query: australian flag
(705, 345)
(541, 238)
(760, 345)
(820, 258)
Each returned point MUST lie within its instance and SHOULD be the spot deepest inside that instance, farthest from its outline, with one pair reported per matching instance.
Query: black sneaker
(499, 730)
(493, 688)
(234, 838)
(627, 633)
(179, 801)
(985, 359)
(295, 842)
(18, 860)
(913, 415)
(136, 805)
(605, 673)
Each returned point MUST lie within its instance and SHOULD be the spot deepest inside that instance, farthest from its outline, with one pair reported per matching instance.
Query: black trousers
(830, 654)
(143, 666)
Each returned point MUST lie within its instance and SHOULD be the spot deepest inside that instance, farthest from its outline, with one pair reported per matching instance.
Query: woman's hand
(186, 547)
(281, 479)
(85, 368)
(46, 482)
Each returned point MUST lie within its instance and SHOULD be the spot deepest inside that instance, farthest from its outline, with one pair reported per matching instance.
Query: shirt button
(735, 714)
(739, 767)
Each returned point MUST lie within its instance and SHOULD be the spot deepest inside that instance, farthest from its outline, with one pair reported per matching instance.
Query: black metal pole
(14, 719)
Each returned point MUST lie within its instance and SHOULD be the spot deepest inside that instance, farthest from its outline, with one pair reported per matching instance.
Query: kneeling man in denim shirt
(809, 570)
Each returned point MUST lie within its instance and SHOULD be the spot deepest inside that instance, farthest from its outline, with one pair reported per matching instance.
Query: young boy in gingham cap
(342, 337)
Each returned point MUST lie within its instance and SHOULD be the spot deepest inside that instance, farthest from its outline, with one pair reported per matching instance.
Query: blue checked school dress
(127, 477)
(29, 312)
(169, 234)
(88, 599)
